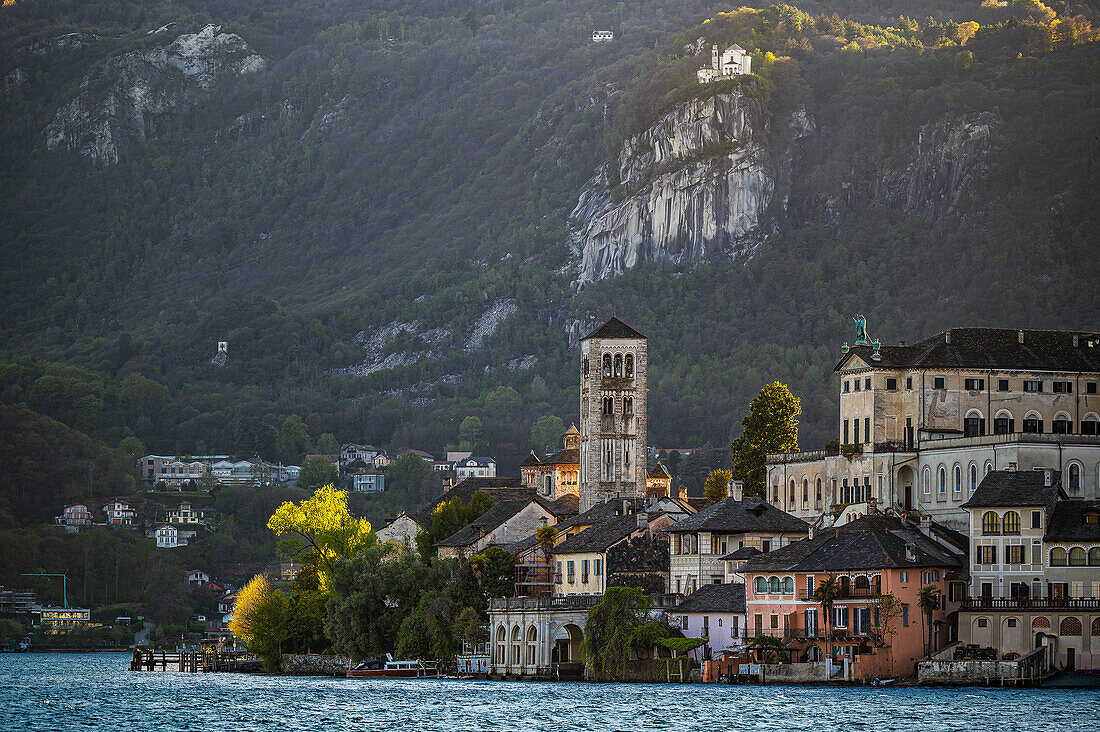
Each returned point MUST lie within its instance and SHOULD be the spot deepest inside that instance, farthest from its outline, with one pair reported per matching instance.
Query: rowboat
(391, 669)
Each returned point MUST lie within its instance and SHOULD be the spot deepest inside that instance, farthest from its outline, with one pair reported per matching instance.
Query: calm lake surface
(97, 691)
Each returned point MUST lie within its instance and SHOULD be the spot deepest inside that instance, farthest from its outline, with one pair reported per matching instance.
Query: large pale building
(920, 425)
(612, 414)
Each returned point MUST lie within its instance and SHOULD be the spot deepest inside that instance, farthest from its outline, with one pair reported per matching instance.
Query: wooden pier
(207, 660)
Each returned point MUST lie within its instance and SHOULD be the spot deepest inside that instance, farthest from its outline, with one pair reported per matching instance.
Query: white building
(368, 481)
(715, 613)
(119, 513)
(734, 61)
(603, 36)
(475, 467)
(168, 537)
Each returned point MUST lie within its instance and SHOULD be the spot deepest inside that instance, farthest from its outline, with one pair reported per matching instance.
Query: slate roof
(531, 460)
(614, 328)
(713, 599)
(479, 461)
(568, 456)
(733, 516)
(743, 553)
(599, 537)
(506, 487)
(567, 506)
(989, 348)
(489, 521)
(1015, 488)
(1067, 522)
(874, 541)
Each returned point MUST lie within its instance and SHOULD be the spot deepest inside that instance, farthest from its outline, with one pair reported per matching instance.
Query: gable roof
(1016, 488)
(743, 553)
(988, 348)
(567, 456)
(733, 516)
(498, 487)
(1067, 522)
(713, 599)
(489, 521)
(659, 471)
(614, 328)
(572, 429)
(874, 541)
(599, 537)
(531, 460)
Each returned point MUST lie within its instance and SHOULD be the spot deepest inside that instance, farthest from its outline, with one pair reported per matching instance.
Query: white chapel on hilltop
(734, 61)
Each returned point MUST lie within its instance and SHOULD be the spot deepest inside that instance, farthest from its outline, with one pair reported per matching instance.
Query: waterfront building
(715, 613)
(872, 556)
(65, 619)
(623, 551)
(920, 425)
(699, 543)
(614, 396)
(558, 474)
(17, 601)
(1035, 570)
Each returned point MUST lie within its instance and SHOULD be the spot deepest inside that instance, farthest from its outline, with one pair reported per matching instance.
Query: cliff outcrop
(130, 99)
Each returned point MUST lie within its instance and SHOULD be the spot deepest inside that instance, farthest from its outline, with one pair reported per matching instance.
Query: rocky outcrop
(947, 157)
(695, 186)
(132, 98)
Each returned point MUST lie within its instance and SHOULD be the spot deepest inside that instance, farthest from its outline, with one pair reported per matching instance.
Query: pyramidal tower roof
(572, 429)
(614, 328)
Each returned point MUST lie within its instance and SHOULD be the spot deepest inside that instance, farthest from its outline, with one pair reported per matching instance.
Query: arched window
(1010, 524)
(1074, 478)
(973, 475)
(1058, 557)
(618, 365)
(1061, 424)
(1070, 626)
(608, 405)
(943, 479)
(1077, 557)
(973, 424)
(607, 364)
(628, 405)
(788, 585)
(629, 366)
(818, 498)
(1033, 423)
(958, 475)
(988, 467)
(774, 585)
(1094, 556)
(760, 586)
(863, 583)
(1004, 424)
(792, 492)
(805, 491)
(925, 479)
(1089, 425)
(991, 523)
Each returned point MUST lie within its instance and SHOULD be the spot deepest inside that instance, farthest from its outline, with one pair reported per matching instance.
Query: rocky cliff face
(131, 98)
(947, 157)
(697, 186)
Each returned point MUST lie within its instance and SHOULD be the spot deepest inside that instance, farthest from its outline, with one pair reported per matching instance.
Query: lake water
(50, 692)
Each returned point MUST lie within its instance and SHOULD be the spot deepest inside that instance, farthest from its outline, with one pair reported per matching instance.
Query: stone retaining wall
(301, 664)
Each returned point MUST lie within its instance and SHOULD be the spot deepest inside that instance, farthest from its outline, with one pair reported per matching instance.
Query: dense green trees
(771, 426)
(449, 517)
(316, 472)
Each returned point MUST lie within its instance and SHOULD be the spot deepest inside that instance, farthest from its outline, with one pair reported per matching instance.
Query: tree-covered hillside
(375, 214)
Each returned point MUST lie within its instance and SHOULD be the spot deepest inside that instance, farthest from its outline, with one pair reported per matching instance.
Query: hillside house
(476, 467)
(76, 514)
(168, 537)
(119, 513)
(185, 513)
(603, 36)
(197, 578)
(401, 531)
(368, 481)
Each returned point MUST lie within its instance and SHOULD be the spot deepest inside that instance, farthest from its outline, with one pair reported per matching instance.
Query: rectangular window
(867, 383)
(867, 428)
(811, 623)
(1077, 589)
(905, 616)
(891, 384)
(1063, 387)
(758, 621)
(1014, 554)
(855, 431)
(903, 577)
(570, 571)
(1033, 385)
(840, 617)
(846, 387)
(855, 384)
(1036, 554)
(1002, 384)
(987, 555)
(939, 382)
(1090, 387)
(846, 432)
(598, 567)
(809, 585)
(584, 570)
(975, 384)
(774, 620)
(908, 383)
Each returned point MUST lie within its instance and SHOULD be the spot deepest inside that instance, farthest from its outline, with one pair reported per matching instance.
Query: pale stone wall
(300, 664)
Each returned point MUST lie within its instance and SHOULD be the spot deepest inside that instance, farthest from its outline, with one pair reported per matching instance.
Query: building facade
(368, 481)
(733, 61)
(613, 414)
(559, 474)
(475, 467)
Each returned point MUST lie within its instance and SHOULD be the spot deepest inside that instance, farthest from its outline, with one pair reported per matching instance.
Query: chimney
(947, 337)
(683, 493)
(736, 490)
(626, 507)
(1020, 336)
(643, 520)
(1047, 477)
(911, 552)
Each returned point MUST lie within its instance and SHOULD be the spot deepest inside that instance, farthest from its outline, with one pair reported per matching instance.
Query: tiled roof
(1015, 488)
(567, 506)
(990, 348)
(713, 599)
(658, 471)
(568, 456)
(531, 460)
(572, 429)
(614, 328)
(1067, 522)
(502, 487)
(870, 542)
(490, 520)
(599, 537)
(743, 553)
(733, 516)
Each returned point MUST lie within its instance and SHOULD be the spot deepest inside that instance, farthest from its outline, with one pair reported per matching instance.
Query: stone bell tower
(613, 414)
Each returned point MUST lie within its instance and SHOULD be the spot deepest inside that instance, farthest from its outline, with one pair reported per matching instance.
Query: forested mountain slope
(400, 213)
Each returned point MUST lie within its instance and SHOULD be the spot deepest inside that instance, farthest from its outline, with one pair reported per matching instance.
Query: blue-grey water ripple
(53, 692)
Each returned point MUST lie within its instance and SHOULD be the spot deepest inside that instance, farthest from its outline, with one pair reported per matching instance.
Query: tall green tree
(327, 444)
(609, 631)
(449, 517)
(771, 426)
(316, 472)
(716, 487)
(293, 438)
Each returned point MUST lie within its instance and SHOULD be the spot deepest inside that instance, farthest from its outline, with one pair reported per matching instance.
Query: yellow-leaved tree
(322, 526)
(249, 598)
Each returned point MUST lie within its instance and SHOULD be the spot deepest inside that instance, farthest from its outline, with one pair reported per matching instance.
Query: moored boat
(391, 669)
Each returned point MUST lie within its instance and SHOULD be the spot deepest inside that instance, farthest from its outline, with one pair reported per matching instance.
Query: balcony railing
(852, 593)
(1030, 603)
(569, 602)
